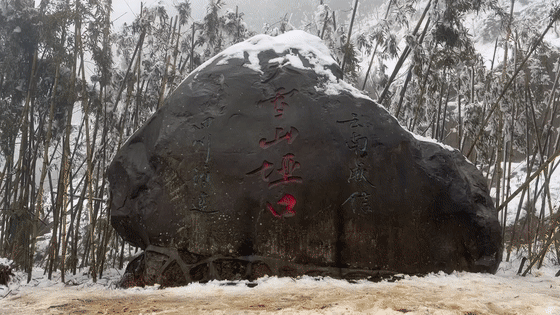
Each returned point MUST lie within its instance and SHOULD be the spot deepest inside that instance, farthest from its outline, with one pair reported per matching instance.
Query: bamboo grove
(73, 89)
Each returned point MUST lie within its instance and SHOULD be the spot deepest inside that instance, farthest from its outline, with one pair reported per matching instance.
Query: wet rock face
(262, 159)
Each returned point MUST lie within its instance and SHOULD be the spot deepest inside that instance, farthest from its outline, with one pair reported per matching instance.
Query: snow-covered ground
(456, 293)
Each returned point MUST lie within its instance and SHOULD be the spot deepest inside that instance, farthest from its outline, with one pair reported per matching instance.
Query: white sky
(256, 12)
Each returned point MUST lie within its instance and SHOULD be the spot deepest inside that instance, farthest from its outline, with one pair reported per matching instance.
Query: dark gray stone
(6, 273)
(290, 171)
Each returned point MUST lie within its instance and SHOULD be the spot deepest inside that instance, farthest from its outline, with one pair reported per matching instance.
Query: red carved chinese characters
(279, 104)
(289, 202)
(289, 165)
(289, 136)
(263, 171)
(283, 173)
(278, 101)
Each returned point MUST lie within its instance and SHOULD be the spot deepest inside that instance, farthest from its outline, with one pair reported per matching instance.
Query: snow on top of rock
(431, 140)
(308, 46)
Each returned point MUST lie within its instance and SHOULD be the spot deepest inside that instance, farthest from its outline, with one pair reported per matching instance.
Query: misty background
(256, 12)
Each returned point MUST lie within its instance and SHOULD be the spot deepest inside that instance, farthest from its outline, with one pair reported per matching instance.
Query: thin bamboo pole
(509, 83)
(405, 53)
(347, 45)
(376, 45)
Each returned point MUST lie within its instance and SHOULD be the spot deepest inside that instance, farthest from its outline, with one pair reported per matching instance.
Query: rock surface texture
(264, 161)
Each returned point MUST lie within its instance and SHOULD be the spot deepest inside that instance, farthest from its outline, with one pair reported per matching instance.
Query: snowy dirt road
(458, 293)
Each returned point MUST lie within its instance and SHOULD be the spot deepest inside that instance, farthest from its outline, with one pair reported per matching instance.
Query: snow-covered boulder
(264, 161)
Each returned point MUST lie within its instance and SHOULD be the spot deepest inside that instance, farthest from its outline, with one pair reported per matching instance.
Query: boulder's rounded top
(297, 49)
(307, 45)
(304, 42)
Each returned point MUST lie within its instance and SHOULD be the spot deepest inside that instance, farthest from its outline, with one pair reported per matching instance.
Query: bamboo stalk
(191, 68)
(21, 196)
(552, 232)
(125, 79)
(405, 53)
(507, 179)
(435, 133)
(546, 185)
(325, 24)
(459, 115)
(403, 92)
(422, 92)
(442, 138)
(175, 54)
(167, 63)
(500, 136)
(121, 258)
(347, 46)
(376, 45)
(508, 85)
(39, 198)
(62, 198)
(529, 180)
(494, 54)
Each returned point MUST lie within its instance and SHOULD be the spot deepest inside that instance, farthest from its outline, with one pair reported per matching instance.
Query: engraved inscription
(204, 124)
(202, 204)
(283, 173)
(289, 136)
(359, 200)
(358, 142)
(358, 174)
(287, 168)
(354, 121)
(288, 202)
(263, 170)
(201, 179)
(279, 101)
(289, 165)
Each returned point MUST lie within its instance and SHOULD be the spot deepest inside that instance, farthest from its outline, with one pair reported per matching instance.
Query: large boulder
(263, 161)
